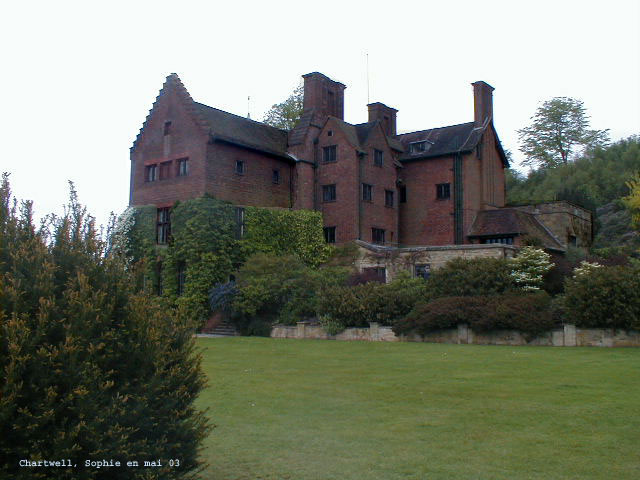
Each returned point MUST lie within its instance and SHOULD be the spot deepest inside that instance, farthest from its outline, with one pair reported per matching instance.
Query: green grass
(305, 409)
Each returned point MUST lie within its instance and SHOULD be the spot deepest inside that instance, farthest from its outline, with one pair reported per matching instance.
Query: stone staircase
(223, 328)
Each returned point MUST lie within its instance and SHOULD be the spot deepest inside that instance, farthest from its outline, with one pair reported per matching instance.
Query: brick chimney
(323, 95)
(482, 102)
(386, 115)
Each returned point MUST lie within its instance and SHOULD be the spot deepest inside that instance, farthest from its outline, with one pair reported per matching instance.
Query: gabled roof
(230, 128)
(511, 221)
(442, 141)
(224, 126)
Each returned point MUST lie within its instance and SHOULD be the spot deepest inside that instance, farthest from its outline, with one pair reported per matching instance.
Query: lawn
(313, 409)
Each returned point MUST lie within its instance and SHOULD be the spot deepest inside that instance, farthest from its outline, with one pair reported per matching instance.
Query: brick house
(436, 187)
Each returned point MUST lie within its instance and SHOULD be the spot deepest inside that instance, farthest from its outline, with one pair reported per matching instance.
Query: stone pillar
(463, 333)
(374, 331)
(300, 333)
(570, 335)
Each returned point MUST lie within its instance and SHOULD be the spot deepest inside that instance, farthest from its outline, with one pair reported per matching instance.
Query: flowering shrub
(529, 268)
(585, 268)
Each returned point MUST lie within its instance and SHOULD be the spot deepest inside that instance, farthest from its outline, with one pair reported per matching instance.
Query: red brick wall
(343, 213)
(255, 187)
(425, 220)
(375, 213)
(186, 139)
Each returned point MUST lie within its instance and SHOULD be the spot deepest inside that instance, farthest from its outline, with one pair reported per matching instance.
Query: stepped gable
(510, 221)
(173, 82)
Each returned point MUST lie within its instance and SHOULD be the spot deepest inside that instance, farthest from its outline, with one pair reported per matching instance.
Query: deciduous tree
(557, 129)
(285, 115)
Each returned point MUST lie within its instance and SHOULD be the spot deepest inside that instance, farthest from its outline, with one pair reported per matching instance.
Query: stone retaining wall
(568, 336)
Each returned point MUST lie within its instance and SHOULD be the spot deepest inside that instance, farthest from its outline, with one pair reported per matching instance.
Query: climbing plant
(207, 245)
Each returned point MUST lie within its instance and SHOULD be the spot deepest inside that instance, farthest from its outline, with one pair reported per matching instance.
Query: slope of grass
(292, 409)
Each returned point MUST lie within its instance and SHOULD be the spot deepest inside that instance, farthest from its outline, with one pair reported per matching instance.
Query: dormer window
(418, 147)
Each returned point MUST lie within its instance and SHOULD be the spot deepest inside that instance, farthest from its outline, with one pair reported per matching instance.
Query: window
(183, 167)
(167, 129)
(423, 270)
(443, 191)
(507, 240)
(367, 192)
(418, 147)
(240, 170)
(388, 198)
(163, 226)
(377, 235)
(375, 274)
(151, 172)
(572, 240)
(275, 176)
(329, 193)
(330, 234)
(182, 277)
(378, 158)
(239, 222)
(330, 133)
(403, 194)
(165, 170)
(329, 154)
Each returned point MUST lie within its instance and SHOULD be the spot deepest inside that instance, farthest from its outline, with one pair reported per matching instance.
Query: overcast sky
(80, 77)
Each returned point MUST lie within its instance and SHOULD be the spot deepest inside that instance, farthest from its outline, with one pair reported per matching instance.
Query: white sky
(79, 78)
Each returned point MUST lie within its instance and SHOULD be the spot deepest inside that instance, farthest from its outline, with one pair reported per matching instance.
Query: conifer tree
(91, 370)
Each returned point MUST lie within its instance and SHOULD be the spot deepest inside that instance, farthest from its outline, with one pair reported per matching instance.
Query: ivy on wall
(205, 248)
(286, 232)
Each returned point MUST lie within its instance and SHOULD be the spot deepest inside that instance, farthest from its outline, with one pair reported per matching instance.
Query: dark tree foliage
(608, 297)
(527, 312)
(91, 370)
(596, 178)
(462, 277)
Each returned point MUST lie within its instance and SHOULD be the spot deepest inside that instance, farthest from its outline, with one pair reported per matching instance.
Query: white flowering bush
(529, 267)
(122, 235)
(585, 268)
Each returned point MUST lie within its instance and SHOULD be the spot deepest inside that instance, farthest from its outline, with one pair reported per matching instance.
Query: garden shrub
(605, 297)
(350, 306)
(442, 313)
(393, 301)
(92, 369)
(462, 277)
(282, 289)
(528, 313)
(529, 267)
(331, 326)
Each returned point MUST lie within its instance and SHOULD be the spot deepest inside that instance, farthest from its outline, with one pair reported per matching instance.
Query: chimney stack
(482, 103)
(323, 95)
(386, 116)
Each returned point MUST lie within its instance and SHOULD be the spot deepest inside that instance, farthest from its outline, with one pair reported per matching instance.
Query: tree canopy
(557, 129)
(632, 201)
(285, 115)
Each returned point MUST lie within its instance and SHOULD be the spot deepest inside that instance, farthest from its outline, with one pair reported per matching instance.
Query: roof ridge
(241, 117)
(435, 128)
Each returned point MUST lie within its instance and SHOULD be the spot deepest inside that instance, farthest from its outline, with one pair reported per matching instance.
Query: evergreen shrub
(605, 297)
(91, 368)
(525, 312)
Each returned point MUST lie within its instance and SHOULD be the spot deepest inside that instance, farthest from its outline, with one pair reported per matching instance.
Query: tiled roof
(510, 221)
(441, 141)
(232, 128)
